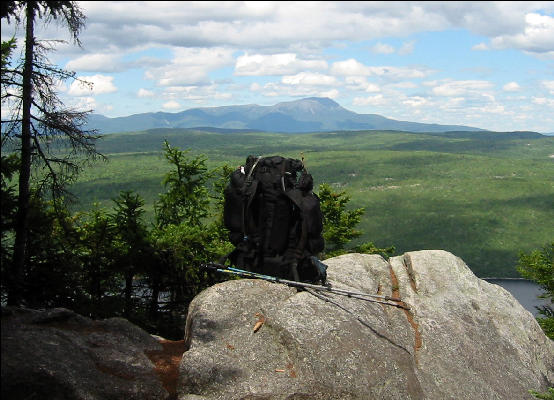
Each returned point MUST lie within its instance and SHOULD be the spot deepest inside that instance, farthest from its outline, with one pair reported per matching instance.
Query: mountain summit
(311, 114)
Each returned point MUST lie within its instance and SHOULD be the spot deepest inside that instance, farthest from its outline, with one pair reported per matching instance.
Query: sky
(484, 64)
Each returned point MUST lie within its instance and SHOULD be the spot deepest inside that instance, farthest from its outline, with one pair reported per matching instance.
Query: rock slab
(463, 338)
(57, 354)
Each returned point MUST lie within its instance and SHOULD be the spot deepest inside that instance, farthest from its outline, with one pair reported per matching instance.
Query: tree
(38, 123)
(97, 252)
(538, 266)
(186, 234)
(53, 270)
(339, 224)
(132, 241)
(186, 199)
(9, 166)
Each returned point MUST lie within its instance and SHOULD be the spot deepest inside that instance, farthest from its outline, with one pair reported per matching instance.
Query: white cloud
(376, 100)
(371, 87)
(116, 27)
(352, 67)
(273, 89)
(171, 105)
(332, 94)
(275, 64)
(403, 85)
(455, 102)
(511, 87)
(200, 94)
(254, 24)
(224, 46)
(537, 36)
(101, 84)
(142, 93)
(310, 79)
(361, 83)
(457, 88)
(191, 66)
(406, 48)
(223, 96)
(416, 101)
(97, 62)
(543, 101)
(480, 47)
(382, 48)
(549, 85)
(493, 109)
(83, 103)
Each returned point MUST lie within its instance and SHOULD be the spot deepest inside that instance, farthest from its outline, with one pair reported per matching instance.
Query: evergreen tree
(133, 247)
(186, 199)
(98, 254)
(339, 225)
(38, 124)
(53, 272)
(186, 234)
(538, 266)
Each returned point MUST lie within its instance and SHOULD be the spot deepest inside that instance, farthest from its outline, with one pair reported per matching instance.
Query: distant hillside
(314, 114)
(483, 196)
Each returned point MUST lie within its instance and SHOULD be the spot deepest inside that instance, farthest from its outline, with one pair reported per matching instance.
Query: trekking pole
(322, 287)
(355, 295)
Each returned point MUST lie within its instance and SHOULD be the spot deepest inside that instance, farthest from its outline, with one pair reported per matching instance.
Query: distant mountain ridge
(311, 114)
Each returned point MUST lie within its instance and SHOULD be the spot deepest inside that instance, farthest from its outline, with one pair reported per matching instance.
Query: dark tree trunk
(15, 290)
(128, 292)
(153, 309)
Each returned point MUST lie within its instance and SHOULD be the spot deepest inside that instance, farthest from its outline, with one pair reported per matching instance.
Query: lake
(524, 291)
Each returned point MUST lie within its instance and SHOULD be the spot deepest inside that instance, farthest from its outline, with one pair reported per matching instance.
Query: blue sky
(483, 64)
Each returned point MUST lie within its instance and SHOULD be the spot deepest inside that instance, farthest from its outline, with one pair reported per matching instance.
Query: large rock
(463, 338)
(57, 354)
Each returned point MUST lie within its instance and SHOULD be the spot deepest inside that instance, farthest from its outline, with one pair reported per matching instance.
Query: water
(525, 291)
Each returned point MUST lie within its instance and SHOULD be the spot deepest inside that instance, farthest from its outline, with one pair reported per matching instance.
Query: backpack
(274, 219)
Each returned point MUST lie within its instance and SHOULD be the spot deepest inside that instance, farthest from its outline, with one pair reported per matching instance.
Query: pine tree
(38, 124)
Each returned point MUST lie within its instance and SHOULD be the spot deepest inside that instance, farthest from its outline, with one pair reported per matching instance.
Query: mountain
(306, 115)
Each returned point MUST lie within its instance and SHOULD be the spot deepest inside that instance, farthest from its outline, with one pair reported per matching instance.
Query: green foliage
(435, 197)
(370, 248)
(339, 225)
(188, 247)
(183, 235)
(7, 49)
(103, 263)
(549, 395)
(35, 119)
(9, 165)
(98, 254)
(481, 196)
(186, 199)
(538, 266)
(133, 249)
(53, 271)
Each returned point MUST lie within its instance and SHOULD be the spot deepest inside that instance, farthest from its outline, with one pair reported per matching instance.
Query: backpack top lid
(281, 171)
(272, 163)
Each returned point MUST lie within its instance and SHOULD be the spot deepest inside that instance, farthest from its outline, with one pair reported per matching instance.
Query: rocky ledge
(462, 338)
(248, 339)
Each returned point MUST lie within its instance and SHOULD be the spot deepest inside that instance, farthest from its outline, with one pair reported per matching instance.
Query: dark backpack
(274, 219)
